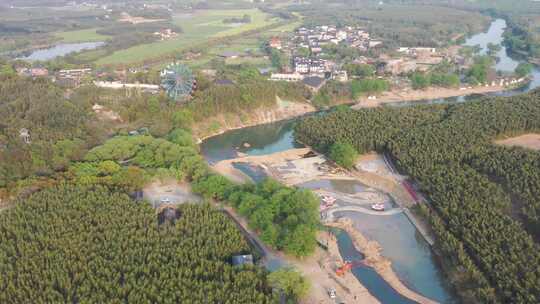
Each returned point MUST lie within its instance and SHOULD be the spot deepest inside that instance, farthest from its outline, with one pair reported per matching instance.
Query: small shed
(240, 260)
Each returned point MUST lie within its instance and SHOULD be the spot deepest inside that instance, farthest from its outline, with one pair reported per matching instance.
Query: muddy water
(256, 140)
(376, 285)
(412, 258)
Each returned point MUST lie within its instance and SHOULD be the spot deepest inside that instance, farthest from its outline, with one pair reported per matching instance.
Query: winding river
(412, 258)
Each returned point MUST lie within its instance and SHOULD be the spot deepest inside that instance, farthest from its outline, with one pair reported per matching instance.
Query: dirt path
(429, 93)
(528, 141)
(319, 269)
(169, 191)
(373, 258)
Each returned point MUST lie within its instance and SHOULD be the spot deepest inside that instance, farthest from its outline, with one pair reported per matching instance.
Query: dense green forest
(443, 147)
(517, 169)
(286, 218)
(87, 245)
(60, 129)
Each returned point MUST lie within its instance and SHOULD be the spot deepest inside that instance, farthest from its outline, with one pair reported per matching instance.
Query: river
(412, 258)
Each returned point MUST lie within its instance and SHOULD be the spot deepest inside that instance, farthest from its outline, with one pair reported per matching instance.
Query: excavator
(346, 267)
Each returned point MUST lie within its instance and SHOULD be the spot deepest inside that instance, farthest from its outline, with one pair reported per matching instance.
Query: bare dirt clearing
(528, 141)
(282, 111)
(125, 17)
(169, 191)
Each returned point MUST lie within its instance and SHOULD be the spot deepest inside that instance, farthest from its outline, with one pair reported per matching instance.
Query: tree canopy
(78, 244)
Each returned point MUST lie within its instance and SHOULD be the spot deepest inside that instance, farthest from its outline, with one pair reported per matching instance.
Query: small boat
(378, 207)
(328, 199)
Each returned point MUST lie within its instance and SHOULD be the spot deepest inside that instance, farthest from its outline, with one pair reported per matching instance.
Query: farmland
(86, 35)
(197, 28)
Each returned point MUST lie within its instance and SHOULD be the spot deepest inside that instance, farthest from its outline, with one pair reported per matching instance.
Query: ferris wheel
(178, 81)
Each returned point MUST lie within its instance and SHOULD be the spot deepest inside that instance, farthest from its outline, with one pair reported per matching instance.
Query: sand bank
(373, 258)
(429, 93)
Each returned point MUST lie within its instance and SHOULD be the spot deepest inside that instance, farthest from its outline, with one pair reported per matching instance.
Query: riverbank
(220, 124)
(426, 94)
(374, 259)
(319, 268)
(292, 167)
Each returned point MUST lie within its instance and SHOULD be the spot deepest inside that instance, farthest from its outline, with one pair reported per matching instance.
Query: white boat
(378, 207)
(328, 199)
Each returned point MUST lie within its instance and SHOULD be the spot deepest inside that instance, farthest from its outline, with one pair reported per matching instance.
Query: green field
(197, 29)
(87, 35)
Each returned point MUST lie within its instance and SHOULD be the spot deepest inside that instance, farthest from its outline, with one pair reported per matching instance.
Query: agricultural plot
(86, 35)
(197, 29)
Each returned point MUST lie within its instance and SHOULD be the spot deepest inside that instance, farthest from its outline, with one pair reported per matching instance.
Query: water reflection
(256, 140)
(61, 50)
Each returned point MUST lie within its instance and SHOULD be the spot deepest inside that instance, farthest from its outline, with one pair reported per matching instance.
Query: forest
(63, 128)
(60, 130)
(286, 218)
(448, 151)
(77, 244)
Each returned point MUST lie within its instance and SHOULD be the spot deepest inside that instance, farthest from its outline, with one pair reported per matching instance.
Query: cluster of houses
(68, 77)
(313, 70)
(315, 38)
(166, 34)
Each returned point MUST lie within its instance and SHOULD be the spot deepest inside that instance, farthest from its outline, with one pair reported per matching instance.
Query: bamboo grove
(481, 194)
(78, 244)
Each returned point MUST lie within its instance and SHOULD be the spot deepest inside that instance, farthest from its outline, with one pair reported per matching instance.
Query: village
(313, 56)
(312, 65)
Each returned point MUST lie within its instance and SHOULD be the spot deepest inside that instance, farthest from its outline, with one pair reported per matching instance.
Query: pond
(60, 50)
(256, 140)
